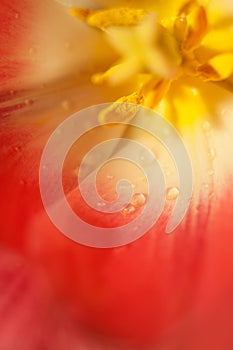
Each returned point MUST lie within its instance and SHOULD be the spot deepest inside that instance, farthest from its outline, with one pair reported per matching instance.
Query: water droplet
(206, 185)
(138, 200)
(212, 153)
(210, 172)
(31, 51)
(76, 171)
(65, 105)
(129, 209)
(110, 177)
(28, 102)
(206, 126)
(17, 15)
(194, 91)
(17, 148)
(172, 193)
(101, 204)
(146, 158)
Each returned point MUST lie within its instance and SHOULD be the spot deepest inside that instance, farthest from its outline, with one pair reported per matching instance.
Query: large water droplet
(129, 209)
(138, 200)
(172, 193)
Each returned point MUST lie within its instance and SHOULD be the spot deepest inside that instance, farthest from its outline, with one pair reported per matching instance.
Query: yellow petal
(219, 40)
(196, 24)
(155, 91)
(184, 104)
(115, 17)
(217, 68)
(117, 74)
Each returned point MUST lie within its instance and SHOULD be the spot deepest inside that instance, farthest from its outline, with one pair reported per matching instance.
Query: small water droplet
(28, 102)
(206, 126)
(110, 177)
(146, 158)
(172, 193)
(210, 172)
(76, 171)
(31, 51)
(101, 204)
(17, 148)
(129, 209)
(65, 105)
(17, 15)
(138, 200)
(212, 153)
(206, 185)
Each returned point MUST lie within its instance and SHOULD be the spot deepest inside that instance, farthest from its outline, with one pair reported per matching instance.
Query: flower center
(157, 51)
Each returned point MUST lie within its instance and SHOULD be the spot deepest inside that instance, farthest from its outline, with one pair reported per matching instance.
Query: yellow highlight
(164, 47)
(118, 17)
(218, 68)
(120, 112)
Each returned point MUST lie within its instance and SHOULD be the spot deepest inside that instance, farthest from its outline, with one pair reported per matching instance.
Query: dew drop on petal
(206, 185)
(76, 171)
(110, 177)
(206, 126)
(172, 193)
(212, 153)
(138, 200)
(65, 105)
(31, 51)
(210, 172)
(28, 102)
(129, 209)
(101, 204)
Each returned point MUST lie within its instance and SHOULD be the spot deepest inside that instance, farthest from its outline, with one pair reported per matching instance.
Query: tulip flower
(162, 291)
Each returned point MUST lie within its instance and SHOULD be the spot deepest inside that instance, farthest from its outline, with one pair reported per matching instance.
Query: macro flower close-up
(167, 66)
